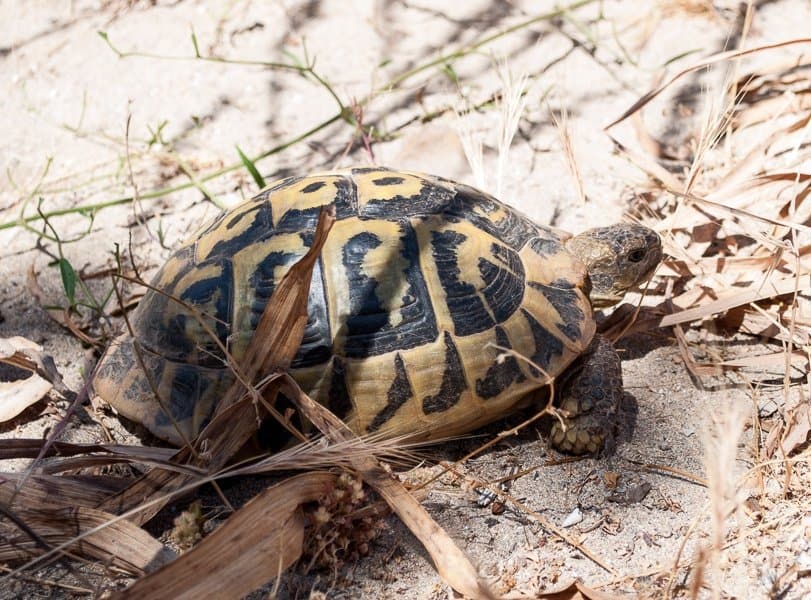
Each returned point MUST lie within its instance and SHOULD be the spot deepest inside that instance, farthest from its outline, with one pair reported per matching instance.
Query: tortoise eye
(637, 255)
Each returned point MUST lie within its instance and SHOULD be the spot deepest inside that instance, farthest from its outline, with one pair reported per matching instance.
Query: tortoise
(434, 309)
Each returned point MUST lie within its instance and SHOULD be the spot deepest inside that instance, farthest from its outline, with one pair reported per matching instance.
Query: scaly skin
(618, 258)
(590, 396)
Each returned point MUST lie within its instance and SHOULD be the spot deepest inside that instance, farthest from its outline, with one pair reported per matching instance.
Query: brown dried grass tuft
(736, 224)
(736, 227)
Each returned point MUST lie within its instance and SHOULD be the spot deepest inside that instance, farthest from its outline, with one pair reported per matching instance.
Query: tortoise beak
(606, 300)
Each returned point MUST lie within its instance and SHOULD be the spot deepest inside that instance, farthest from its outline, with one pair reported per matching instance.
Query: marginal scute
(502, 373)
(453, 381)
(564, 298)
(398, 394)
(547, 347)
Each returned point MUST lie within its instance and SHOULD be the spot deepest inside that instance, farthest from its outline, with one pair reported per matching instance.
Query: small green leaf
(68, 279)
(450, 73)
(194, 41)
(103, 35)
(260, 181)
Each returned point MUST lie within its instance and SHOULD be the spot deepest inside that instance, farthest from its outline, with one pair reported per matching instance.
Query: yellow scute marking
(194, 329)
(384, 264)
(231, 226)
(244, 265)
(293, 197)
(368, 190)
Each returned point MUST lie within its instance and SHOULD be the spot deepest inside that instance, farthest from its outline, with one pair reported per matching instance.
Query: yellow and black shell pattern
(421, 287)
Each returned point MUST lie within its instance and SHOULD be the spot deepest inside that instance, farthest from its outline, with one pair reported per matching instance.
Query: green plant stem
(461, 52)
(343, 113)
(92, 208)
(198, 56)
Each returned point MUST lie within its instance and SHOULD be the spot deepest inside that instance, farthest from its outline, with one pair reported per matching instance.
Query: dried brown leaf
(451, 563)
(262, 539)
(798, 425)
(49, 491)
(750, 165)
(760, 361)
(16, 396)
(93, 533)
(731, 298)
(32, 448)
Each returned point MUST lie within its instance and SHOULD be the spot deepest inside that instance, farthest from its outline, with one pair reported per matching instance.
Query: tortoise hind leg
(590, 394)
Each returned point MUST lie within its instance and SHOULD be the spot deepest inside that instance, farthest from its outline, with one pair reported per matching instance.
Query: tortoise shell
(421, 286)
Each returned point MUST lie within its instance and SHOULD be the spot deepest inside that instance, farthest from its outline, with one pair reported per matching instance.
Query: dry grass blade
(32, 447)
(565, 134)
(48, 491)
(262, 538)
(27, 532)
(716, 58)
(316, 454)
(450, 562)
(273, 346)
(738, 297)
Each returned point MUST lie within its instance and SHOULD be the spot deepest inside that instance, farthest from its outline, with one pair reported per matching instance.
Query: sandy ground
(83, 126)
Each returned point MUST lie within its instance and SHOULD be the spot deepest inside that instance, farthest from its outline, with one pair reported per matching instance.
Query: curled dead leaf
(576, 591)
(793, 434)
(17, 395)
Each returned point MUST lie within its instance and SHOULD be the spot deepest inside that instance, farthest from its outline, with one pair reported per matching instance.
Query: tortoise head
(618, 258)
